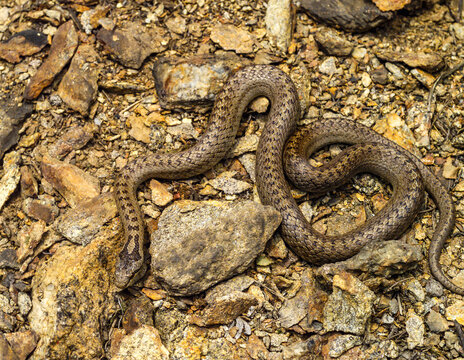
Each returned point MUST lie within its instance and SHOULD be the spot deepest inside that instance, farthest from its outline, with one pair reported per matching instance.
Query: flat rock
(75, 138)
(338, 344)
(226, 183)
(28, 238)
(230, 37)
(12, 114)
(350, 15)
(237, 283)
(43, 208)
(295, 309)
(224, 309)
(78, 88)
(143, 343)
(436, 322)
(349, 306)
(24, 43)
(428, 61)
(8, 259)
(22, 343)
(73, 296)
(81, 223)
(6, 352)
(134, 42)
(182, 82)
(198, 244)
(74, 184)
(333, 43)
(385, 258)
(63, 46)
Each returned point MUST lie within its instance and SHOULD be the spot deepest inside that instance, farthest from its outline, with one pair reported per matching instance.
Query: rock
(415, 290)
(184, 130)
(450, 171)
(256, 348)
(43, 208)
(29, 186)
(11, 176)
(394, 127)
(230, 37)
(63, 46)
(182, 82)
(423, 77)
(349, 306)
(12, 114)
(81, 223)
(226, 183)
(301, 349)
(134, 42)
(380, 75)
(24, 43)
(279, 23)
(22, 343)
(328, 66)
(142, 344)
(427, 61)
(436, 322)
(458, 30)
(6, 352)
(244, 144)
(78, 88)
(73, 296)
(7, 305)
(74, 184)
(139, 130)
(456, 312)
(24, 303)
(28, 239)
(198, 244)
(8, 259)
(159, 193)
(333, 43)
(433, 287)
(342, 343)
(415, 329)
(350, 15)
(391, 5)
(90, 18)
(75, 138)
(295, 309)
(237, 283)
(386, 349)
(176, 24)
(225, 309)
(385, 258)
(395, 71)
(7, 322)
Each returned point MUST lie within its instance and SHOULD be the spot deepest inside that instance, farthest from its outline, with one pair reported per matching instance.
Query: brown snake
(374, 153)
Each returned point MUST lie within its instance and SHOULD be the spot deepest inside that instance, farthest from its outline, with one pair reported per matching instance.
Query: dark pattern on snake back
(373, 153)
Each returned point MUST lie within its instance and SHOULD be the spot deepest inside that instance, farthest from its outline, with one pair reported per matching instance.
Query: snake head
(128, 271)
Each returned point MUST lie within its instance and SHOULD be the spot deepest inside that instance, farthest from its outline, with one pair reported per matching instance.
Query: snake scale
(371, 152)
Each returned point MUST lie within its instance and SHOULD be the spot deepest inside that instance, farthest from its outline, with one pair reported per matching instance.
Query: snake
(282, 154)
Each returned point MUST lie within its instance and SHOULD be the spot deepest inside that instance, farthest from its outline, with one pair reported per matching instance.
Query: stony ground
(96, 86)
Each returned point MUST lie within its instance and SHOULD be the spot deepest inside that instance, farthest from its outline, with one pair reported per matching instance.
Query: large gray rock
(200, 243)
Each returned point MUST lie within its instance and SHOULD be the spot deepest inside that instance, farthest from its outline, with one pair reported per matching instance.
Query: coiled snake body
(373, 153)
